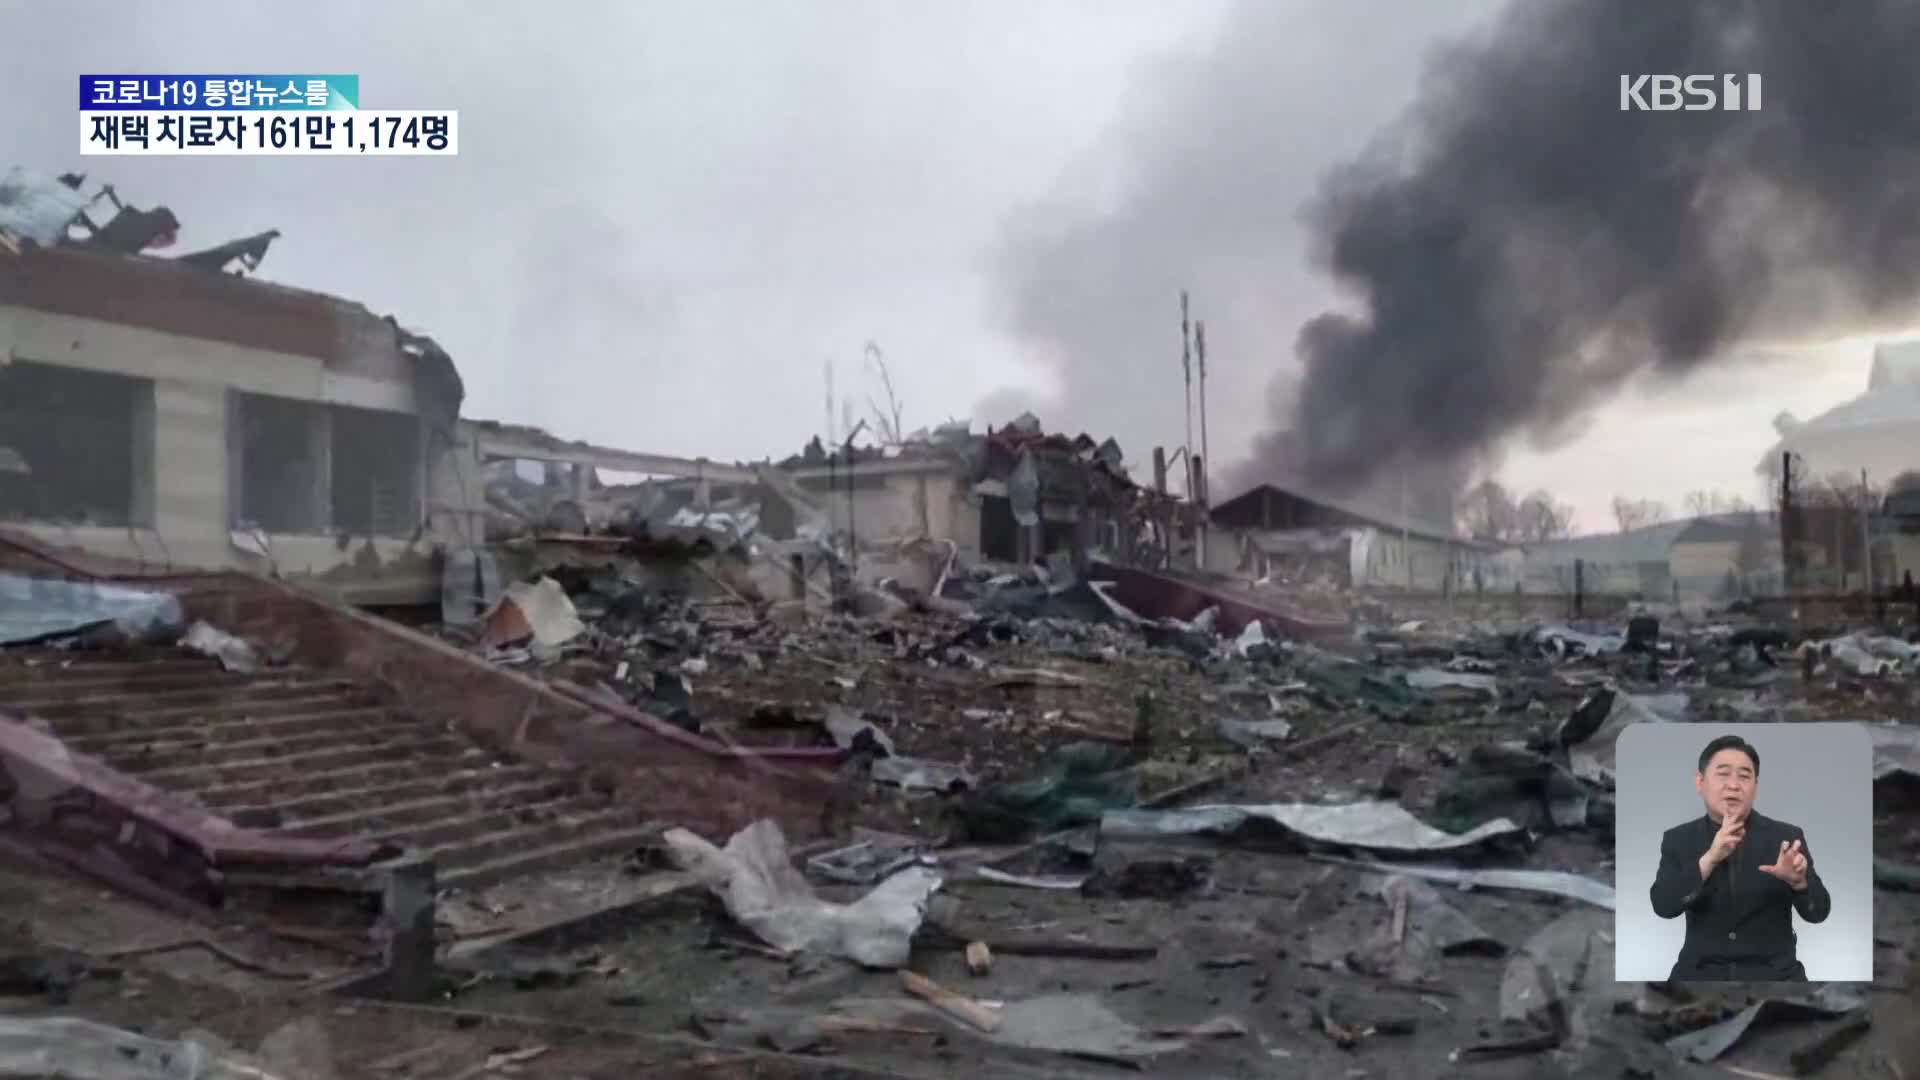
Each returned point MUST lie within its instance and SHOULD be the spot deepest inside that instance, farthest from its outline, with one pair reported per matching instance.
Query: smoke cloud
(1516, 247)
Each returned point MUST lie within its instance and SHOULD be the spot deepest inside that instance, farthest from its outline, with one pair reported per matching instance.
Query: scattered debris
(233, 653)
(35, 610)
(958, 1006)
(537, 614)
(979, 958)
(764, 893)
(1371, 826)
(1710, 1043)
(37, 1047)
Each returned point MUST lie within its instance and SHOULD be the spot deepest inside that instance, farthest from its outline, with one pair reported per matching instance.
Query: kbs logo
(1693, 93)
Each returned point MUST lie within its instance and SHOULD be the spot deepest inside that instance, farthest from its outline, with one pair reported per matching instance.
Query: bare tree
(1631, 514)
(886, 421)
(1539, 519)
(1487, 512)
(1710, 503)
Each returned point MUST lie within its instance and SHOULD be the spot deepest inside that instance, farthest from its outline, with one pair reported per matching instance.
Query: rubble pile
(1069, 835)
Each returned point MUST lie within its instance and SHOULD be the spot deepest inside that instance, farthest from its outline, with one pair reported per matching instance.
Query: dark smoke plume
(1527, 245)
(1516, 247)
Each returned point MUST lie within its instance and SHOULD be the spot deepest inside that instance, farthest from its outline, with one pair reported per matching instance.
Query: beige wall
(1416, 562)
(907, 505)
(1704, 561)
(187, 526)
(1227, 552)
(128, 350)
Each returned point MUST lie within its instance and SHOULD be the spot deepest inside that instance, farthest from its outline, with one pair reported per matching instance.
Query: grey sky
(755, 188)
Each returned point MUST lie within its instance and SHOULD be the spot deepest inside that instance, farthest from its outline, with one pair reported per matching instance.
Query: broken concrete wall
(891, 502)
(185, 343)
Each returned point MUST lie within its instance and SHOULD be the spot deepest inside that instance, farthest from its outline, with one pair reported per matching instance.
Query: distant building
(1632, 563)
(1314, 539)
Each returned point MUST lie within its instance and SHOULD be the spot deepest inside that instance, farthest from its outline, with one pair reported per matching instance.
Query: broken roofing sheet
(55, 211)
(39, 208)
(33, 609)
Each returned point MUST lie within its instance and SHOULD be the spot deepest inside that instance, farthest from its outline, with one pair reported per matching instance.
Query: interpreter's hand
(1790, 865)
(1732, 831)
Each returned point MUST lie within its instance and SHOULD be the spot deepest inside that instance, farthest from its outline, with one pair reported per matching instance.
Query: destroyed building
(162, 411)
(1314, 539)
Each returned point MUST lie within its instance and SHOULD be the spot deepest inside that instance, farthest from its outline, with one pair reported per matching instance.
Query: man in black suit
(1738, 875)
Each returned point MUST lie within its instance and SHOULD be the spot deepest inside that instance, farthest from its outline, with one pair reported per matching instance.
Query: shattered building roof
(57, 260)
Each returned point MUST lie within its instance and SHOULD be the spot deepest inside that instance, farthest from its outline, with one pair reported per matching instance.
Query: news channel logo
(251, 115)
(1690, 93)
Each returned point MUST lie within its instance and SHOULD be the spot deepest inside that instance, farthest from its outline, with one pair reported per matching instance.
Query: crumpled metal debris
(922, 775)
(1253, 733)
(726, 528)
(1593, 729)
(36, 609)
(33, 1048)
(537, 612)
(1513, 780)
(1867, 654)
(39, 208)
(1420, 928)
(1562, 980)
(1372, 826)
(1464, 684)
(850, 728)
(874, 857)
(1342, 682)
(233, 653)
(1709, 1043)
(1549, 882)
(756, 879)
(1565, 642)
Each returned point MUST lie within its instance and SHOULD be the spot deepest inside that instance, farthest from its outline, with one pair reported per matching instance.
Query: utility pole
(1186, 371)
(1406, 544)
(1787, 523)
(1866, 533)
(1204, 498)
(1200, 353)
(831, 438)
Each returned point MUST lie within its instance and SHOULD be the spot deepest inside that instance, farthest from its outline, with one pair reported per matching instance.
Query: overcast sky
(666, 218)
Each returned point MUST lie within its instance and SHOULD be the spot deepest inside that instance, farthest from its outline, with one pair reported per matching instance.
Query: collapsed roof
(63, 260)
(55, 211)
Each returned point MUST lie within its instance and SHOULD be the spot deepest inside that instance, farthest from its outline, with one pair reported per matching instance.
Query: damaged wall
(890, 502)
(197, 341)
